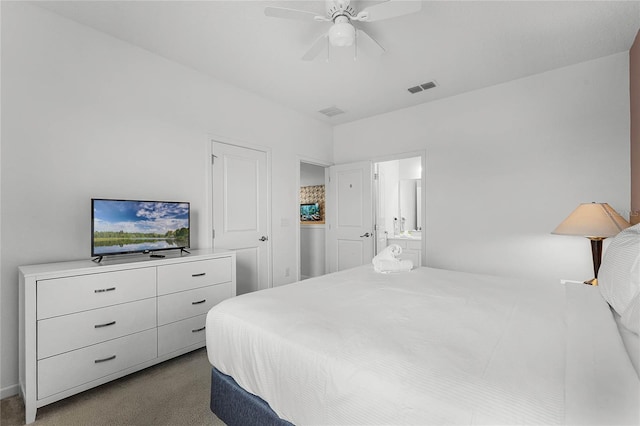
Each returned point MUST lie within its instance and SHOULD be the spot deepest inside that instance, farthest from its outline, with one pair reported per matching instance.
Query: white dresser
(83, 323)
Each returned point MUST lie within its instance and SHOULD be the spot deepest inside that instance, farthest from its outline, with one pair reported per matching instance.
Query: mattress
(631, 342)
(427, 347)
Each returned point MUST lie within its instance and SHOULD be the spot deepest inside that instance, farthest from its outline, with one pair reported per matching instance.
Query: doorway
(312, 239)
(362, 200)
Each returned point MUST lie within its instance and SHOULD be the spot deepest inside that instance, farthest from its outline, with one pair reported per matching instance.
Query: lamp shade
(592, 220)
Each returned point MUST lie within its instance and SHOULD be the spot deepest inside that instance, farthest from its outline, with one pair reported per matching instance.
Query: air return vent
(422, 87)
(331, 111)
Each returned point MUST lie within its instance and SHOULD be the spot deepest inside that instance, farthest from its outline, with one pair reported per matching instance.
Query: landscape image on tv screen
(123, 226)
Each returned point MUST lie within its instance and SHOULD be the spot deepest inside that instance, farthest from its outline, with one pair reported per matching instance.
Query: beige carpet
(175, 392)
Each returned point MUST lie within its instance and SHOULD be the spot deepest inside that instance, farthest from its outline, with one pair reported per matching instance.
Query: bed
(428, 346)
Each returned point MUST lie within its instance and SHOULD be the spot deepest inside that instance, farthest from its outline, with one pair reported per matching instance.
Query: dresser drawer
(190, 275)
(185, 304)
(71, 369)
(178, 335)
(68, 332)
(67, 295)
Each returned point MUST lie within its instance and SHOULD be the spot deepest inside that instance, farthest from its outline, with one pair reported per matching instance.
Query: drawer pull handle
(201, 274)
(199, 302)
(102, 290)
(97, 361)
(106, 324)
(198, 329)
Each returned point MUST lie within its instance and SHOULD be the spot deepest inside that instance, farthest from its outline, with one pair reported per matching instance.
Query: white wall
(86, 115)
(311, 174)
(506, 164)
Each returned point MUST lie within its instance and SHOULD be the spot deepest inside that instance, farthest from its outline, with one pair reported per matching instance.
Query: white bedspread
(427, 347)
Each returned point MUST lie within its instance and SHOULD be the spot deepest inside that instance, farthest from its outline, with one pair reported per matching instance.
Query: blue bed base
(237, 407)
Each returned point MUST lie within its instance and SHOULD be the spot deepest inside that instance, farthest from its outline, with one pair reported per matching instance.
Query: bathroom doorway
(399, 206)
(312, 243)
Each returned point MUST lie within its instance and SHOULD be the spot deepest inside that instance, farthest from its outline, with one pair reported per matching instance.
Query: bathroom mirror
(409, 200)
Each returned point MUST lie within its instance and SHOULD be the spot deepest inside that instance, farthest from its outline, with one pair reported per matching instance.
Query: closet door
(350, 234)
(240, 212)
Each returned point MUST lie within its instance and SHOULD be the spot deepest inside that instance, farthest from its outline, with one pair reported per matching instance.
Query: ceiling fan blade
(316, 48)
(389, 9)
(286, 13)
(368, 42)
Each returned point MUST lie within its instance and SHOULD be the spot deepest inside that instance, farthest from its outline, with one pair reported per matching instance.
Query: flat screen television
(133, 226)
(310, 212)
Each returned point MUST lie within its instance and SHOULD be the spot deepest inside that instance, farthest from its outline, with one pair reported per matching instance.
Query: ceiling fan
(346, 22)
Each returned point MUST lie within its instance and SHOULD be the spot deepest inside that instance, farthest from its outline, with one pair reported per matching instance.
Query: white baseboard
(9, 391)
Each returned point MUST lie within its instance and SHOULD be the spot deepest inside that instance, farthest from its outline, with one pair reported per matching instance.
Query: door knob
(264, 238)
(367, 235)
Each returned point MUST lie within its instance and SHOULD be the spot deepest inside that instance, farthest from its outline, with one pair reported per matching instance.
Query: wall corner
(634, 102)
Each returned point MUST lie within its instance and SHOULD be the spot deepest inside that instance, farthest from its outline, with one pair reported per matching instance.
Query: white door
(240, 216)
(350, 234)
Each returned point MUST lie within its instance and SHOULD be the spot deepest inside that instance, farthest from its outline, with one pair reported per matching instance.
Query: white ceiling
(463, 46)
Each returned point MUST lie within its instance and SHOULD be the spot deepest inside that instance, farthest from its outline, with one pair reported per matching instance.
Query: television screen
(310, 212)
(128, 226)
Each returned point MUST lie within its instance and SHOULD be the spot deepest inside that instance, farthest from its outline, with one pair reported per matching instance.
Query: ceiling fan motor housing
(339, 8)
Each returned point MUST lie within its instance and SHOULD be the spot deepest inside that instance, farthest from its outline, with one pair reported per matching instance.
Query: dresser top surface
(115, 263)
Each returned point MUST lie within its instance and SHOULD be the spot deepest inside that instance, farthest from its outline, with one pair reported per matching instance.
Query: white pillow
(619, 274)
(630, 318)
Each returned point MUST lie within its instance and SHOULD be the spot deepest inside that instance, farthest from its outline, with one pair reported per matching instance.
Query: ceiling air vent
(331, 111)
(422, 87)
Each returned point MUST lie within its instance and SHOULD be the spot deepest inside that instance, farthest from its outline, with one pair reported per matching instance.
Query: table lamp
(595, 221)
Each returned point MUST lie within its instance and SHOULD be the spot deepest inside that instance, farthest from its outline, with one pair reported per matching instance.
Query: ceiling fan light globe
(342, 34)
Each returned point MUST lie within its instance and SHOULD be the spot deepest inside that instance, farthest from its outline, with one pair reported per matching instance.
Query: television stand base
(157, 255)
(98, 259)
(184, 250)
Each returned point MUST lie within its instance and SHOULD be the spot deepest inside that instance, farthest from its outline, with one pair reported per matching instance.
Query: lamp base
(592, 281)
